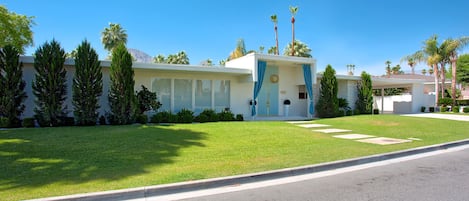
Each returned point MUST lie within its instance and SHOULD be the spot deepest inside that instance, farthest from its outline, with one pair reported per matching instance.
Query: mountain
(140, 56)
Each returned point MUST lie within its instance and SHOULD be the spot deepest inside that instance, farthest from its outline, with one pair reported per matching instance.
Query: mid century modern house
(268, 79)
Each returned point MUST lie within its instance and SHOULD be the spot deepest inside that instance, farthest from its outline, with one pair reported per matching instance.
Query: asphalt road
(440, 177)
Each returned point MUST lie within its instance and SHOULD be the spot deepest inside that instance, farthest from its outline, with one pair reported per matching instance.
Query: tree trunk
(453, 80)
(293, 36)
(276, 40)
(437, 89)
(443, 80)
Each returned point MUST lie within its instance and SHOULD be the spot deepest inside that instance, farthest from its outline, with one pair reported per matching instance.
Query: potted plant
(286, 104)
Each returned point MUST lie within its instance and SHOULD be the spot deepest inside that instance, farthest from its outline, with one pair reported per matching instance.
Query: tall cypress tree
(50, 84)
(365, 94)
(122, 99)
(328, 103)
(12, 94)
(87, 85)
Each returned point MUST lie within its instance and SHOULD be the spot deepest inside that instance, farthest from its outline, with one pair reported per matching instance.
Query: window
(222, 94)
(203, 95)
(302, 92)
(162, 87)
(182, 94)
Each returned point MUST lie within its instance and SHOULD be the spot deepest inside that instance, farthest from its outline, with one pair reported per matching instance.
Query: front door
(268, 96)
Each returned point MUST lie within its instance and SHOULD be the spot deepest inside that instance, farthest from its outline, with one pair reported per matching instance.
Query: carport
(410, 103)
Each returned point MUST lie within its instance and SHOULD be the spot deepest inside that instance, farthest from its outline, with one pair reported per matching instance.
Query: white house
(269, 79)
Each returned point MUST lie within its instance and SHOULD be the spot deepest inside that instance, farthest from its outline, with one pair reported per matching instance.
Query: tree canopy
(301, 50)
(15, 29)
(112, 36)
(463, 69)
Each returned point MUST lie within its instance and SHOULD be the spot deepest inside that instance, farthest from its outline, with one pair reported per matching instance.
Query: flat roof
(162, 67)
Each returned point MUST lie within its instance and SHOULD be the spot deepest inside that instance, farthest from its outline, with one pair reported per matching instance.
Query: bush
(455, 109)
(375, 111)
(340, 113)
(67, 121)
(102, 120)
(208, 115)
(185, 116)
(4, 122)
(462, 102)
(349, 113)
(28, 122)
(239, 117)
(226, 115)
(356, 112)
(142, 119)
(445, 101)
(164, 117)
(422, 109)
(465, 110)
(431, 109)
(443, 109)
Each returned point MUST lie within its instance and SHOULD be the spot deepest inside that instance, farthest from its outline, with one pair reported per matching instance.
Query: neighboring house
(232, 86)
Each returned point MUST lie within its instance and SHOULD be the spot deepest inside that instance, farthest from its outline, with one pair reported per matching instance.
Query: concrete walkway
(440, 116)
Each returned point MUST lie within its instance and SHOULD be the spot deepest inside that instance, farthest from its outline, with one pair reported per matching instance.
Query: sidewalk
(142, 193)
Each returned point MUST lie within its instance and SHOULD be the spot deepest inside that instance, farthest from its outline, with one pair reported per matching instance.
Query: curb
(158, 190)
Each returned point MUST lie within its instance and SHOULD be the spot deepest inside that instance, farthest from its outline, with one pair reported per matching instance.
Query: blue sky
(339, 32)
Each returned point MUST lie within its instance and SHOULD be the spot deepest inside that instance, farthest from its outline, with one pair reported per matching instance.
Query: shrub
(343, 103)
(443, 109)
(465, 110)
(431, 109)
(142, 119)
(164, 117)
(340, 113)
(28, 122)
(455, 109)
(102, 120)
(422, 109)
(356, 112)
(226, 115)
(239, 117)
(375, 111)
(185, 116)
(365, 94)
(147, 100)
(445, 101)
(208, 115)
(349, 113)
(67, 121)
(4, 122)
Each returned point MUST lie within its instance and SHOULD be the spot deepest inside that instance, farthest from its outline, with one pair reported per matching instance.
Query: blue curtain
(309, 86)
(261, 65)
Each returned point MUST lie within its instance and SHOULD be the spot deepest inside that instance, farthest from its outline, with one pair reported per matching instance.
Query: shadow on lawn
(36, 157)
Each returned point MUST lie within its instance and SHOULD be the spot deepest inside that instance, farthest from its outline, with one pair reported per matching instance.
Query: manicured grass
(59, 161)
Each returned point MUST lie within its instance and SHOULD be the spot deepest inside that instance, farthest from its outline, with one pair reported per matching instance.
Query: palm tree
(430, 71)
(272, 50)
(182, 58)
(300, 49)
(293, 11)
(413, 60)
(239, 51)
(112, 36)
(396, 69)
(453, 45)
(388, 68)
(431, 50)
(424, 72)
(159, 59)
(273, 18)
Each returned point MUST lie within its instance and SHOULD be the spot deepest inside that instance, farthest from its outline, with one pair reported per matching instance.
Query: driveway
(440, 116)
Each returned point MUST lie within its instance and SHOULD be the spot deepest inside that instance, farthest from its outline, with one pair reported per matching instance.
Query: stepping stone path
(357, 137)
(332, 130)
(313, 125)
(384, 141)
(353, 136)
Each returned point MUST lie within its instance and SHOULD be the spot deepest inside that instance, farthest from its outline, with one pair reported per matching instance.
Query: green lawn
(68, 160)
